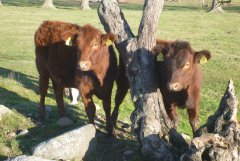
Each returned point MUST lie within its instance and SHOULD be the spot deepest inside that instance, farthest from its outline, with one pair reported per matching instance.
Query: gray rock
(4, 110)
(23, 132)
(76, 144)
(64, 121)
(27, 158)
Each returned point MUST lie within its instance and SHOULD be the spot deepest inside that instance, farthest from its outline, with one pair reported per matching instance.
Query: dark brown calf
(179, 79)
(74, 56)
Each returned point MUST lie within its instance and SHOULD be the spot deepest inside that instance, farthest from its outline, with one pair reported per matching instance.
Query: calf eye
(186, 66)
(95, 46)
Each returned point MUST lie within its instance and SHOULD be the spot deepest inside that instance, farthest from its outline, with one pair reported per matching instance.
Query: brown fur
(66, 65)
(176, 55)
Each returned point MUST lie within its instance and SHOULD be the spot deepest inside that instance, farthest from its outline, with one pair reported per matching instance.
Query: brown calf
(179, 79)
(74, 56)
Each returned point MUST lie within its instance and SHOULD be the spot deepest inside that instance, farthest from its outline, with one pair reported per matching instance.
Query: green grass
(218, 33)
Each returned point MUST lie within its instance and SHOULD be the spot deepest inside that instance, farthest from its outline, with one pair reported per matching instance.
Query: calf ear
(202, 56)
(162, 46)
(71, 40)
(108, 39)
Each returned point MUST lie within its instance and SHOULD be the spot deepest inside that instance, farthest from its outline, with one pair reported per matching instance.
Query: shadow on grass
(22, 3)
(181, 7)
(40, 132)
(108, 148)
(57, 3)
(27, 81)
(232, 8)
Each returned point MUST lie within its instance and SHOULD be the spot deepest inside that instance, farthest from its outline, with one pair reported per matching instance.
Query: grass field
(19, 19)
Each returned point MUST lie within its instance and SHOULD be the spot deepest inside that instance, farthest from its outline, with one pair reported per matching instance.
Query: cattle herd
(83, 57)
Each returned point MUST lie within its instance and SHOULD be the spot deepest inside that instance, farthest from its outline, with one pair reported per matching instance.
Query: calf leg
(193, 118)
(89, 108)
(172, 114)
(58, 90)
(193, 108)
(43, 87)
(107, 109)
(122, 89)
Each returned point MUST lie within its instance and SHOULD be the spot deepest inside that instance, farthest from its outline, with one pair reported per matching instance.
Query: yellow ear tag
(108, 42)
(203, 60)
(69, 41)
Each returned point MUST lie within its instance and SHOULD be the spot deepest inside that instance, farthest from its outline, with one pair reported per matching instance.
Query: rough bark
(219, 138)
(216, 6)
(149, 119)
(48, 4)
(85, 5)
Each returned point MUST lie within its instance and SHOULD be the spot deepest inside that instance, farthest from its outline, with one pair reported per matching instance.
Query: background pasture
(187, 20)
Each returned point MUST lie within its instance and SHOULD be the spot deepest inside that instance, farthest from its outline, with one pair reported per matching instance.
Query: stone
(76, 144)
(4, 110)
(22, 132)
(27, 158)
(64, 121)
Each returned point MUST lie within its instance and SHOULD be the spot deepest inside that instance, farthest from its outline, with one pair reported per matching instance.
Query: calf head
(181, 62)
(92, 46)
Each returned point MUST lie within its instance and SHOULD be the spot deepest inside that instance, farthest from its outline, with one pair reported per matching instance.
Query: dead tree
(48, 4)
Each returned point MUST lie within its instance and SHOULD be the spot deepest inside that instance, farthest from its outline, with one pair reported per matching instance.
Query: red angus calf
(180, 78)
(74, 56)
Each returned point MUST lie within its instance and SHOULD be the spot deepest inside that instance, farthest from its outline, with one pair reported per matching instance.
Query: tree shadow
(108, 148)
(39, 132)
(58, 3)
(22, 3)
(27, 81)
(175, 7)
(232, 8)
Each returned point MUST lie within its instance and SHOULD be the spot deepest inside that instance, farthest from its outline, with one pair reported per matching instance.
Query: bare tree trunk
(85, 5)
(149, 119)
(216, 6)
(0, 3)
(48, 4)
